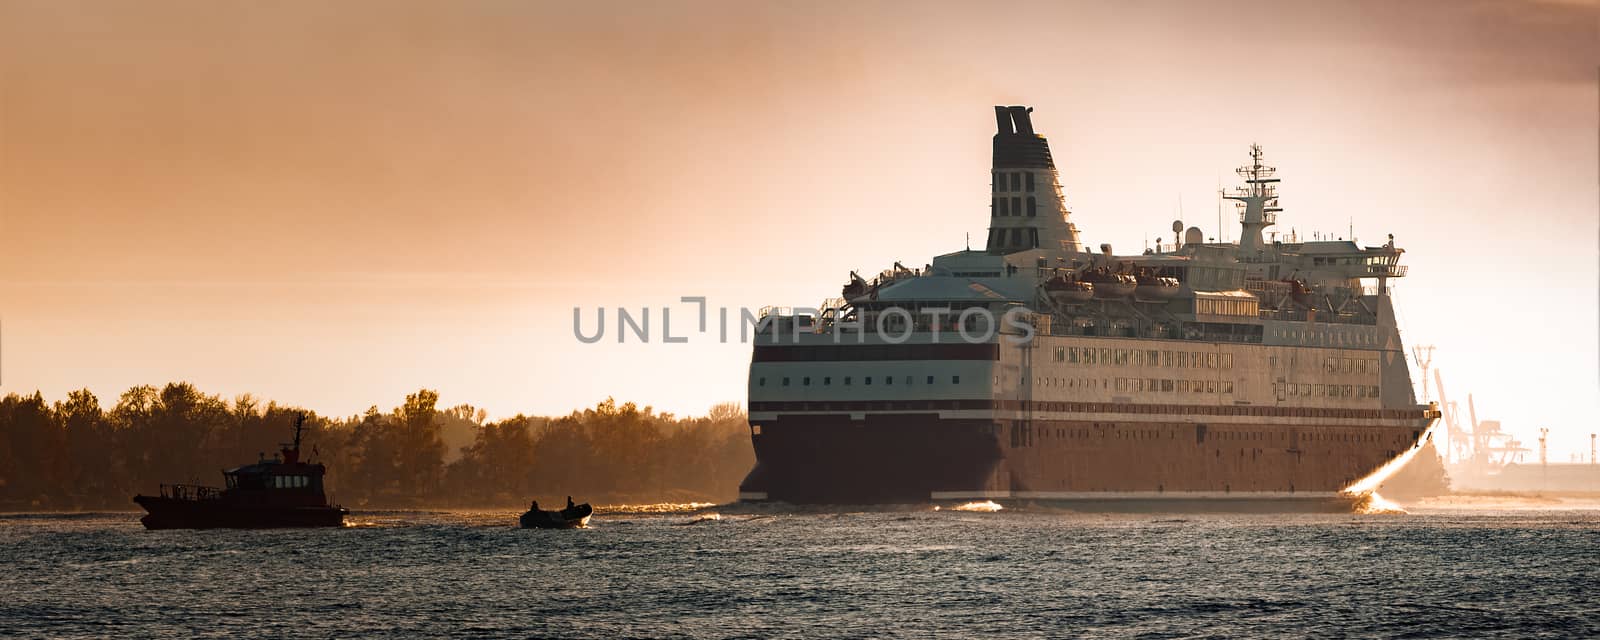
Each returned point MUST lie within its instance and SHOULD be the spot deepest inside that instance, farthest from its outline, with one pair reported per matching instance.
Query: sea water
(774, 572)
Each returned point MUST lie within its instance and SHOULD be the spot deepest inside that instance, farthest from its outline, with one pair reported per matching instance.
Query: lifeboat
(1067, 289)
(1154, 287)
(1108, 284)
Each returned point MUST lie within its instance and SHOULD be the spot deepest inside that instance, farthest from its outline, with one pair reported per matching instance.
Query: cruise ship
(1039, 369)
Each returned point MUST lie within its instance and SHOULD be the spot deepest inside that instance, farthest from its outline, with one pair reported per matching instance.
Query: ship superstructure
(1038, 368)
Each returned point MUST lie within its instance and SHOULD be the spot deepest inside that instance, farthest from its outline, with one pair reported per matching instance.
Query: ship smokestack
(1026, 212)
(1024, 122)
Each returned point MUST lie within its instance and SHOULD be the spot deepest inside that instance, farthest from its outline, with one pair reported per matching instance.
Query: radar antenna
(1258, 201)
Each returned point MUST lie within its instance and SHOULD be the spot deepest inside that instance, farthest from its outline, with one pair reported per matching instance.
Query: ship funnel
(1013, 120)
(1024, 122)
(1027, 211)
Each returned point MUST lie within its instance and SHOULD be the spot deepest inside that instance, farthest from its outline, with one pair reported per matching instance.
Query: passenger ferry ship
(1039, 369)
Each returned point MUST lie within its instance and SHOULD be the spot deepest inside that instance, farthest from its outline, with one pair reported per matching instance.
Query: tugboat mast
(291, 452)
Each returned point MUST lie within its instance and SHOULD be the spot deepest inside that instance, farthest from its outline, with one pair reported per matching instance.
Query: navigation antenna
(1257, 201)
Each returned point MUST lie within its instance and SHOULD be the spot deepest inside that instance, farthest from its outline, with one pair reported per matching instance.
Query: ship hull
(883, 458)
(1096, 464)
(169, 513)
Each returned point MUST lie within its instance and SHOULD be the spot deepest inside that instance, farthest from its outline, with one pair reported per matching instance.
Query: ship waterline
(1219, 372)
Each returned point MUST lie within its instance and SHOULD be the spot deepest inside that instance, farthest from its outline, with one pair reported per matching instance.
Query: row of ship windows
(1022, 434)
(1209, 306)
(805, 381)
(1335, 337)
(1017, 179)
(1020, 238)
(1290, 390)
(1379, 260)
(1335, 364)
(276, 482)
(1144, 358)
(1140, 385)
(1167, 385)
(999, 208)
(1191, 359)
(291, 482)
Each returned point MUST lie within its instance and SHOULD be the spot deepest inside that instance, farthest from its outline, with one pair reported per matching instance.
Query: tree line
(76, 454)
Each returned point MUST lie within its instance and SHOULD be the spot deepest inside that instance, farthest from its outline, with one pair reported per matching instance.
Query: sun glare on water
(1371, 503)
(987, 506)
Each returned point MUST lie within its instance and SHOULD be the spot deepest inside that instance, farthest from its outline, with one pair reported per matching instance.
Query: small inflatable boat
(575, 516)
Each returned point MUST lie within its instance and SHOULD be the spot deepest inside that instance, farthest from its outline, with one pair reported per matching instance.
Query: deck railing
(190, 492)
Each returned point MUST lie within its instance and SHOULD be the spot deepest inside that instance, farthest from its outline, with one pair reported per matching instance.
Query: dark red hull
(168, 513)
(913, 458)
(886, 458)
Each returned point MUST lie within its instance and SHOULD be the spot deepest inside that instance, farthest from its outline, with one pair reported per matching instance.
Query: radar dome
(1194, 236)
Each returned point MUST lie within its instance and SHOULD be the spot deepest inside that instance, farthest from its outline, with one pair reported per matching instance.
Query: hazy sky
(334, 204)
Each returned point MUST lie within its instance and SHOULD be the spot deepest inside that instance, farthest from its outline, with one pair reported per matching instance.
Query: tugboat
(272, 493)
(575, 516)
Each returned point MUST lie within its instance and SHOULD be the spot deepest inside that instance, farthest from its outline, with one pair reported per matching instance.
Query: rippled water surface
(908, 573)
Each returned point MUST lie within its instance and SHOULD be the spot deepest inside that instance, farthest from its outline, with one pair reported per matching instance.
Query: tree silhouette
(76, 455)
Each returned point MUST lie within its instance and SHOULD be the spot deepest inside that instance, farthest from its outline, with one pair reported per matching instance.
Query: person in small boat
(569, 502)
(534, 506)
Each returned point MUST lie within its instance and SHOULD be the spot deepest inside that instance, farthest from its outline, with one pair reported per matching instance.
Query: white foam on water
(1366, 489)
(1371, 502)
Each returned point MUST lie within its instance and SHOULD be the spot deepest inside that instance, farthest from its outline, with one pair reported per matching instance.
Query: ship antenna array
(299, 423)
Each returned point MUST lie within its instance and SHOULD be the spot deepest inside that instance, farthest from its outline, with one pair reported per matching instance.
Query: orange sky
(335, 204)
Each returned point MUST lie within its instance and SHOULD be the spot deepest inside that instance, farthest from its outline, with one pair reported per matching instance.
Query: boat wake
(987, 506)
(1372, 503)
(710, 517)
(1365, 490)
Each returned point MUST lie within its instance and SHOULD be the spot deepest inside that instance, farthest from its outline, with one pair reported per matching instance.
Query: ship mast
(1258, 201)
(291, 452)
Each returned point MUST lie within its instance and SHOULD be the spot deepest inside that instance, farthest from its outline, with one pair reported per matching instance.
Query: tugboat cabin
(285, 482)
